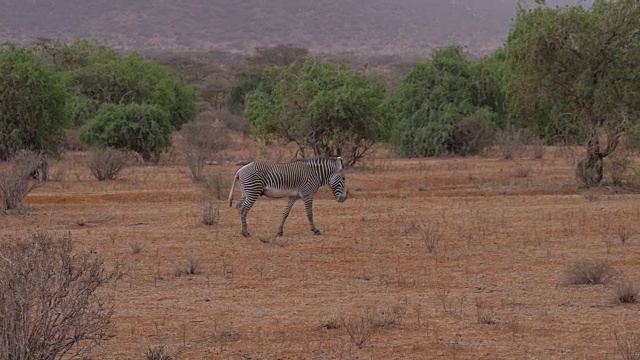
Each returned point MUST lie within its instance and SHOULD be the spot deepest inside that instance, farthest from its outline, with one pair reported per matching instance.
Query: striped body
(299, 179)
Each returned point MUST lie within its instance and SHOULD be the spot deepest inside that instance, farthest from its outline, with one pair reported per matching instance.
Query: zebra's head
(336, 181)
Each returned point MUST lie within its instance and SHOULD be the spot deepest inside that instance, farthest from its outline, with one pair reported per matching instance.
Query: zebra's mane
(316, 160)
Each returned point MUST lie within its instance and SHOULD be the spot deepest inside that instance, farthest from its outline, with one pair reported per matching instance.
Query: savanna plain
(446, 258)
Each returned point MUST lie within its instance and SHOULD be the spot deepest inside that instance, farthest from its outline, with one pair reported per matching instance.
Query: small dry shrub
(136, 247)
(390, 317)
(510, 140)
(360, 326)
(210, 213)
(485, 314)
(624, 234)
(589, 272)
(628, 344)
(331, 323)
(200, 141)
(431, 238)
(215, 185)
(50, 301)
(106, 164)
(158, 352)
(16, 179)
(537, 147)
(192, 267)
(626, 292)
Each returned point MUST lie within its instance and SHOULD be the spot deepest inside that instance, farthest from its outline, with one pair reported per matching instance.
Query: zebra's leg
(247, 204)
(308, 205)
(285, 214)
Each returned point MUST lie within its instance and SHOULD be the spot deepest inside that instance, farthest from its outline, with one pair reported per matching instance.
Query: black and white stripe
(299, 179)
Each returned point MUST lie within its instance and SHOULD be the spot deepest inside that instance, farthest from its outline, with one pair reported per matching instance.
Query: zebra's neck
(323, 168)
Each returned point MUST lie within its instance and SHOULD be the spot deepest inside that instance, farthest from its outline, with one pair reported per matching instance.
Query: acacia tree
(433, 99)
(326, 108)
(581, 66)
(31, 103)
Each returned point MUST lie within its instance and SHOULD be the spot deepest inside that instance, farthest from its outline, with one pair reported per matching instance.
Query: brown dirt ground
(505, 241)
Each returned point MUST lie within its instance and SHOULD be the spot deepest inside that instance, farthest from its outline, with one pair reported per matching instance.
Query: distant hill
(374, 27)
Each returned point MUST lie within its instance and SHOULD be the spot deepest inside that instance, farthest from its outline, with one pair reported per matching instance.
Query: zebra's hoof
(317, 232)
(279, 233)
(246, 234)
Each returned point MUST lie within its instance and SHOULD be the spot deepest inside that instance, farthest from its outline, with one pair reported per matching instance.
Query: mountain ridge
(374, 27)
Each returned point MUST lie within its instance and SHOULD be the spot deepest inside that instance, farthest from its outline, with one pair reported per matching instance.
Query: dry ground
(507, 230)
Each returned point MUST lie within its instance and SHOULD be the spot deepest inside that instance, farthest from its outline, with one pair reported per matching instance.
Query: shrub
(106, 164)
(360, 326)
(470, 136)
(210, 213)
(484, 313)
(32, 103)
(589, 272)
(50, 306)
(142, 128)
(431, 238)
(511, 140)
(628, 344)
(200, 141)
(158, 352)
(626, 292)
(16, 178)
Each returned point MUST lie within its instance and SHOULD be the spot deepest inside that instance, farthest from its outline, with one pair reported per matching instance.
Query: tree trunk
(590, 169)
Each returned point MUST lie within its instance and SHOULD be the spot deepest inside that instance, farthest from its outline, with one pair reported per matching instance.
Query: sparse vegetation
(431, 238)
(107, 163)
(360, 326)
(51, 305)
(158, 352)
(15, 179)
(136, 247)
(627, 343)
(210, 213)
(626, 292)
(485, 314)
(191, 267)
(330, 323)
(624, 234)
(200, 142)
(510, 141)
(589, 272)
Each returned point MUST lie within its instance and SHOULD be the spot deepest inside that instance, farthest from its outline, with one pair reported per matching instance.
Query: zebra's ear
(341, 162)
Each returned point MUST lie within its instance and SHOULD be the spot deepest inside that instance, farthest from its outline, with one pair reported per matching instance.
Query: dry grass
(502, 241)
(589, 272)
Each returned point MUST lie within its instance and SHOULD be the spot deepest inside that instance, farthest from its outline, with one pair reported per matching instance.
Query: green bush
(141, 128)
(32, 103)
(131, 79)
(438, 94)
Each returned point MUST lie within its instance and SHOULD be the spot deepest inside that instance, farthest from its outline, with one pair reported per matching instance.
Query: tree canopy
(141, 128)
(438, 93)
(323, 107)
(32, 103)
(576, 70)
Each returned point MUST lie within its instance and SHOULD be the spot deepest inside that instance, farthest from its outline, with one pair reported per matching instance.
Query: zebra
(299, 179)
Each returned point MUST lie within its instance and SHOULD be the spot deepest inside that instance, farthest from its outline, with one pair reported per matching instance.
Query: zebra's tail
(235, 177)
